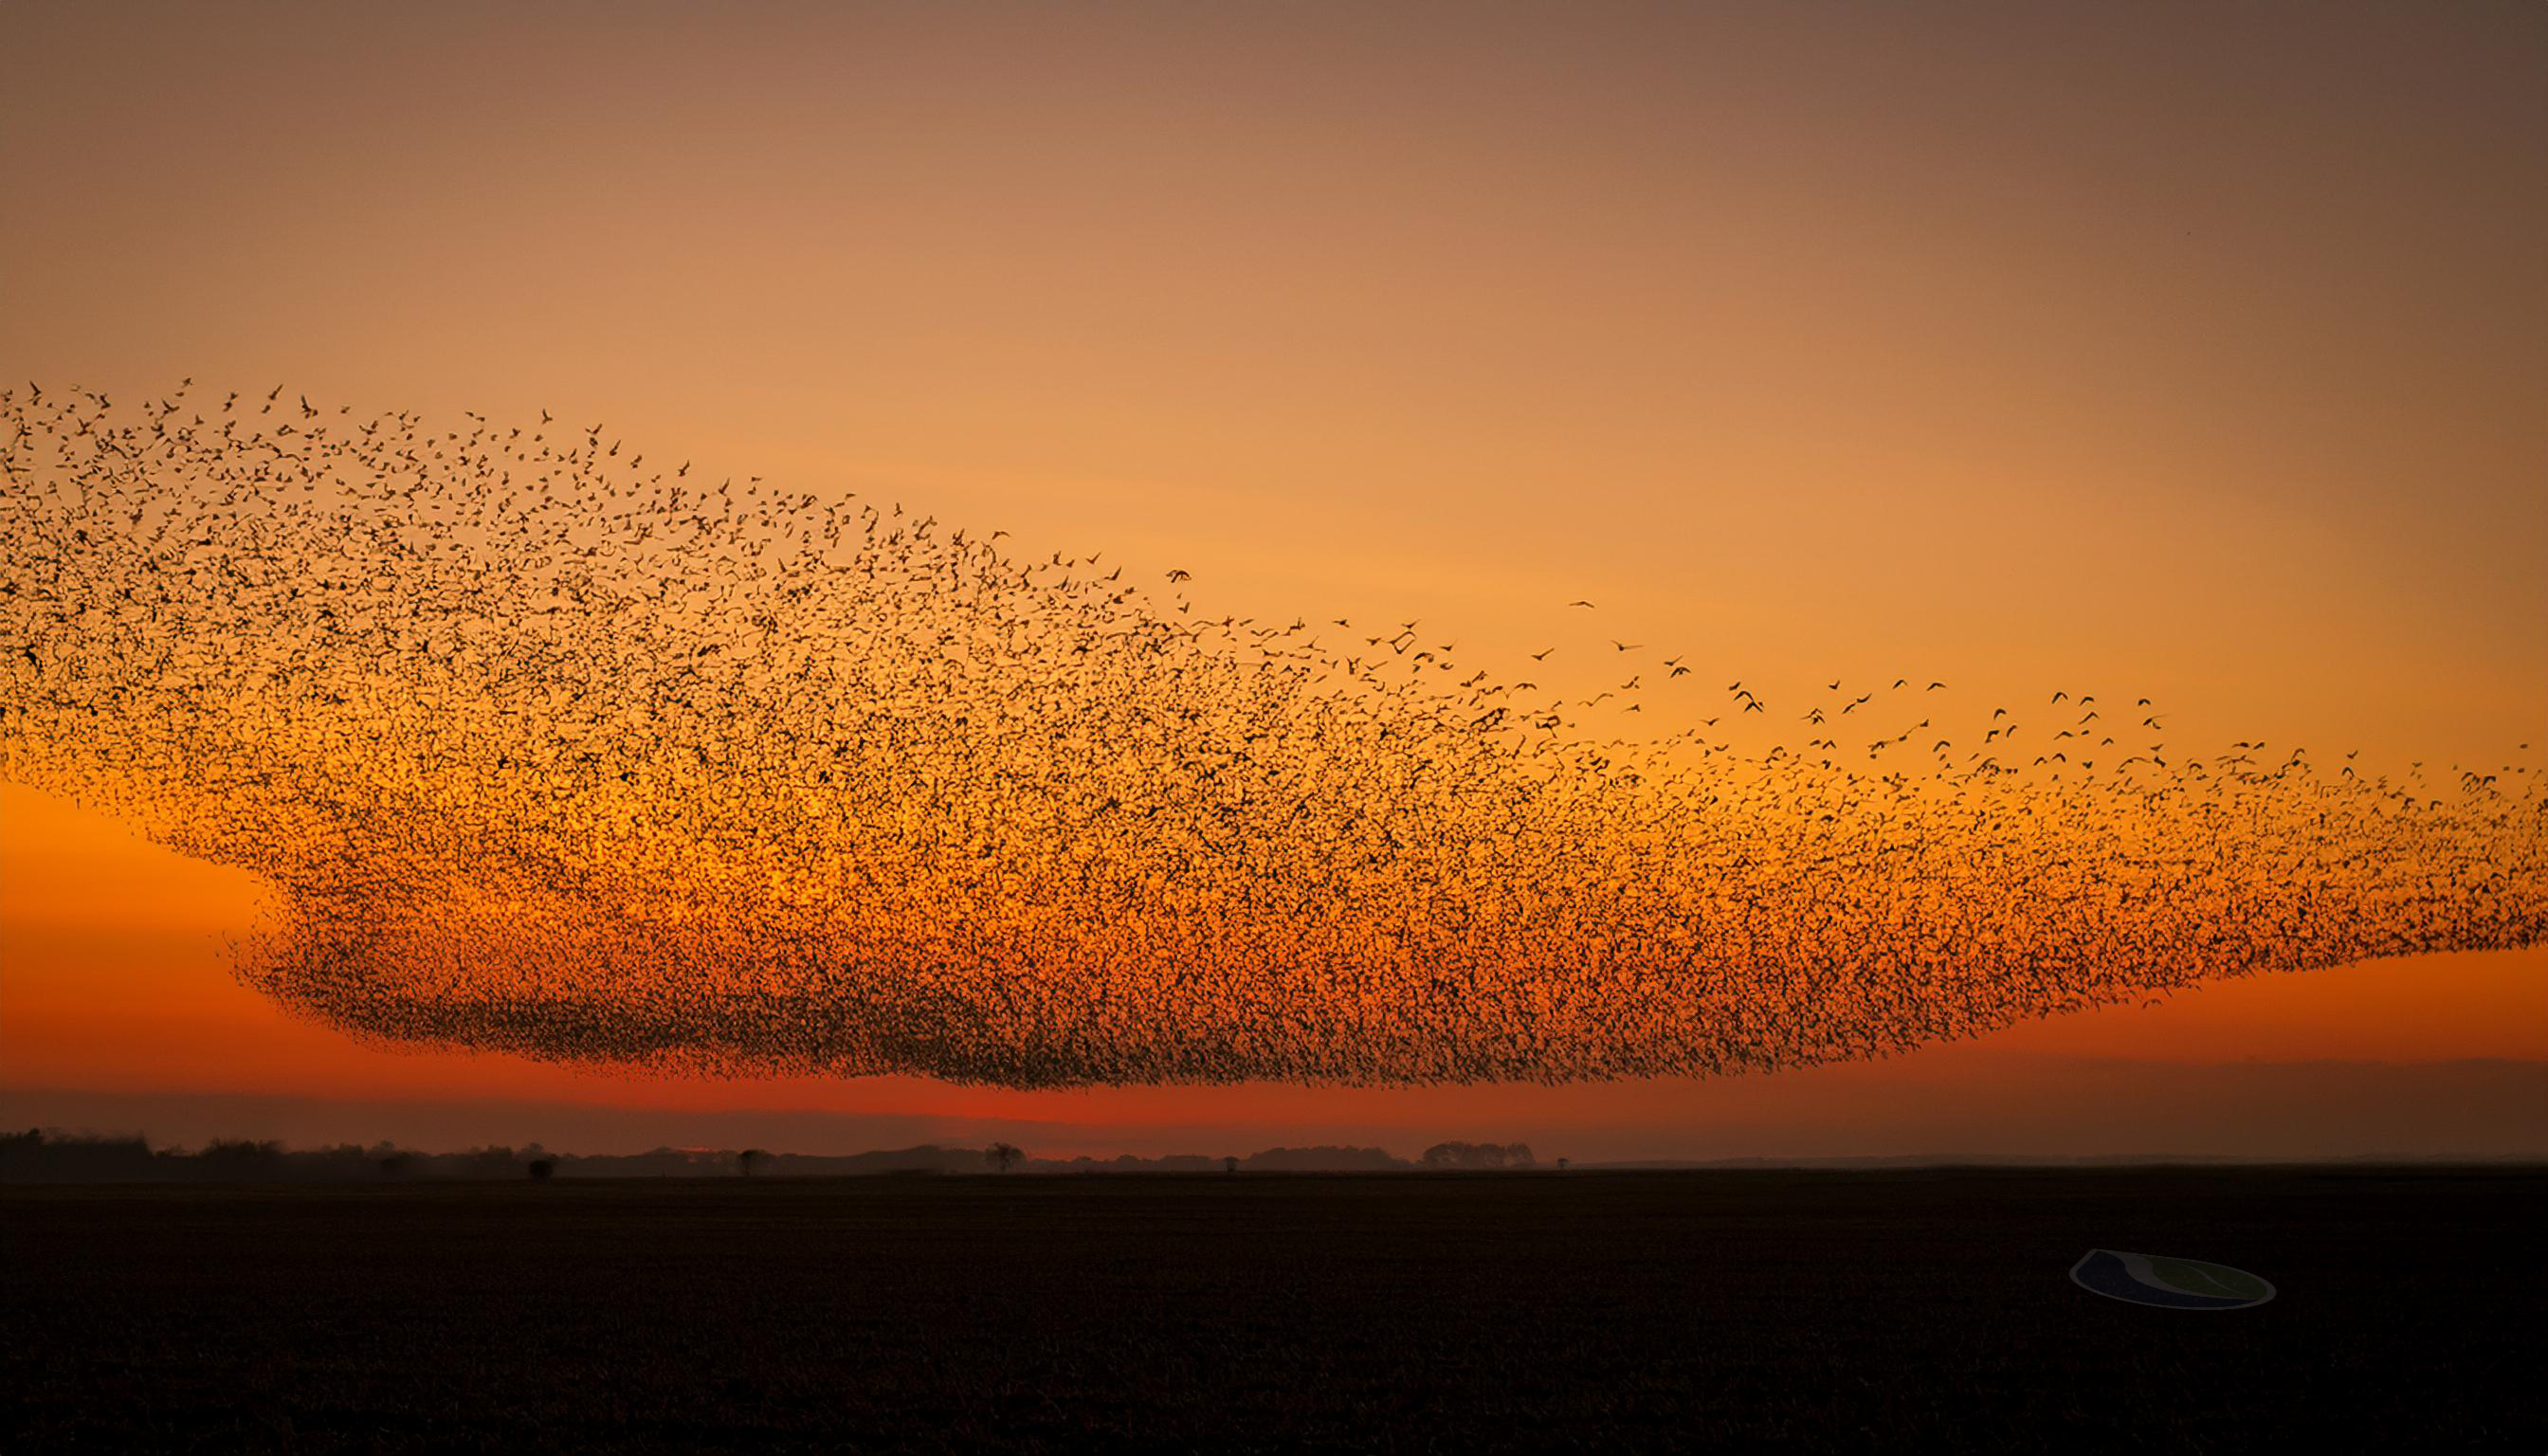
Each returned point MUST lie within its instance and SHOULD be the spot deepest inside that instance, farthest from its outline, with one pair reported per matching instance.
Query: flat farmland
(1584, 1311)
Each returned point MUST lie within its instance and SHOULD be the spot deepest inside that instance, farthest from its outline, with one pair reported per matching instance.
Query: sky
(2174, 353)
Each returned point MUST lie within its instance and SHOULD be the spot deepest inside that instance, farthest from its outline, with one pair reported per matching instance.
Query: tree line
(41, 1155)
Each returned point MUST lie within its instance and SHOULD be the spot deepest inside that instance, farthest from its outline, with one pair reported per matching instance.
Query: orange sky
(2184, 354)
(116, 984)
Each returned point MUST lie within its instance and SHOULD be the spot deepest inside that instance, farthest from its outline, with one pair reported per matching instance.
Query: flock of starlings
(546, 749)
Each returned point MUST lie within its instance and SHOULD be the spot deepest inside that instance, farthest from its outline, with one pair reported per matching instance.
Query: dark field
(1442, 1311)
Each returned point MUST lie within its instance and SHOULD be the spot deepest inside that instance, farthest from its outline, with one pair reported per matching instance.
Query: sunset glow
(2038, 355)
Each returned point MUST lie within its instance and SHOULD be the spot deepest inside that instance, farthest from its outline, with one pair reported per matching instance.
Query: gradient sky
(2165, 352)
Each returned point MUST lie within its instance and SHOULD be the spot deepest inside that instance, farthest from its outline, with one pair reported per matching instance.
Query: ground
(1926, 1310)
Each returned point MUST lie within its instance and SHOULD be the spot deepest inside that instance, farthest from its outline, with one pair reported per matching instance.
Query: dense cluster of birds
(548, 749)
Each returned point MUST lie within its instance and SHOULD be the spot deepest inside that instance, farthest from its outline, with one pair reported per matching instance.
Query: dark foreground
(1439, 1313)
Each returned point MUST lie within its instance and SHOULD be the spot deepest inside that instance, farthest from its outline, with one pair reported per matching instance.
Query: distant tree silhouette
(1449, 1155)
(240, 1157)
(36, 1156)
(478, 1162)
(541, 1168)
(1002, 1156)
(1471, 1155)
(1229, 1165)
(1563, 1164)
(1321, 1160)
(748, 1157)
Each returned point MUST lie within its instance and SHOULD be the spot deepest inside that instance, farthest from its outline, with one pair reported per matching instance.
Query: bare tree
(1003, 1157)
